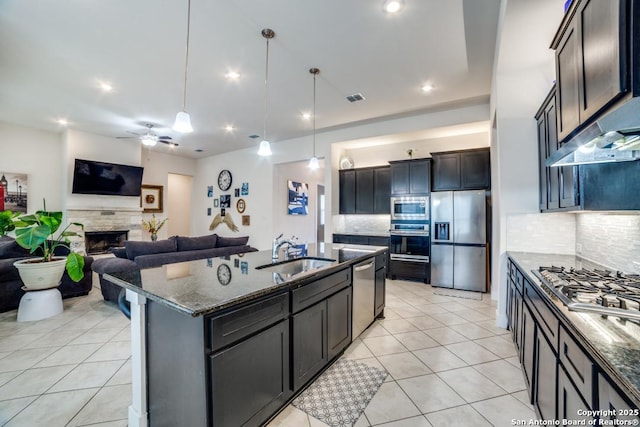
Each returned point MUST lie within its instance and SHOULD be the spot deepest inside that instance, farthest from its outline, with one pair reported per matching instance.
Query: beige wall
(179, 189)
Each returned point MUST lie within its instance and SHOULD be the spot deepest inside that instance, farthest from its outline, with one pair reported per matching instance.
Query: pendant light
(265, 147)
(183, 121)
(313, 163)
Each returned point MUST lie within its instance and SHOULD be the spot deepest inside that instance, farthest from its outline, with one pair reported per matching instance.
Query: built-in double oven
(409, 237)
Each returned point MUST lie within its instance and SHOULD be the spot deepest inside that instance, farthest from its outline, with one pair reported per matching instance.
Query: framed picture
(210, 191)
(246, 219)
(216, 203)
(244, 189)
(236, 192)
(298, 203)
(225, 201)
(151, 198)
(223, 212)
(241, 205)
(14, 191)
(208, 211)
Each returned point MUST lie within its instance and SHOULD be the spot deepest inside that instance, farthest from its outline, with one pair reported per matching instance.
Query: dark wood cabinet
(461, 170)
(612, 401)
(592, 64)
(309, 343)
(527, 348)
(247, 389)
(364, 191)
(379, 294)
(571, 405)
(410, 177)
(545, 377)
(339, 322)
(382, 190)
(359, 239)
(558, 186)
(347, 196)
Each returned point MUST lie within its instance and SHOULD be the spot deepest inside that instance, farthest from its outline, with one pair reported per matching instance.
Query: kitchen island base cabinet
(250, 380)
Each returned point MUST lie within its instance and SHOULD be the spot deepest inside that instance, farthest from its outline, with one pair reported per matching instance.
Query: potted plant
(35, 232)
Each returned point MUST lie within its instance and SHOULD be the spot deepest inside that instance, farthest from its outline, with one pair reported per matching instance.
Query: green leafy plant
(6, 221)
(36, 233)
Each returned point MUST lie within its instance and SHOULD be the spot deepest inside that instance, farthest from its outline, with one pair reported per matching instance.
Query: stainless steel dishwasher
(363, 295)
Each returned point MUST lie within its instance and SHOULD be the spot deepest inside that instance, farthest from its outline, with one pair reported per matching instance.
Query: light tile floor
(448, 364)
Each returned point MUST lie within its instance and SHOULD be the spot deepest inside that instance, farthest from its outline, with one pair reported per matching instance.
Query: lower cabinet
(380, 285)
(320, 333)
(562, 378)
(250, 380)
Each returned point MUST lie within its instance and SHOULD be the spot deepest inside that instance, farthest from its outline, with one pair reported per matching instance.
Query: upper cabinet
(592, 60)
(410, 177)
(461, 170)
(364, 190)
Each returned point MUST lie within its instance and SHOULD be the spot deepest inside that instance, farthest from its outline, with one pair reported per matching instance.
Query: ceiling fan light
(183, 123)
(265, 148)
(313, 163)
(148, 141)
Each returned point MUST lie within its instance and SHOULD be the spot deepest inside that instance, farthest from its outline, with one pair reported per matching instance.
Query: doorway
(179, 206)
(320, 217)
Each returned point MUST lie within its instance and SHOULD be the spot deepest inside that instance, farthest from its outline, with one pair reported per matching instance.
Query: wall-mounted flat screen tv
(90, 177)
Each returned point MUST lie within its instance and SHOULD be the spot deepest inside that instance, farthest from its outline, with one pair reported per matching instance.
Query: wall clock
(241, 205)
(224, 180)
(224, 274)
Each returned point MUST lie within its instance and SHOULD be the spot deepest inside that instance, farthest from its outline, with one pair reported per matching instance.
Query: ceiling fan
(150, 138)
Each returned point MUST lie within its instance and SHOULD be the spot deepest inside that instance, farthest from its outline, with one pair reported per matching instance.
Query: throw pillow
(196, 243)
(135, 248)
(232, 241)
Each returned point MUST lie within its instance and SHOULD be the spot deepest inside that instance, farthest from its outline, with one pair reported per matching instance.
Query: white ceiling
(54, 53)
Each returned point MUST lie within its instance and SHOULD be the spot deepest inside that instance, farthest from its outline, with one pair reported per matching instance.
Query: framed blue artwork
(298, 200)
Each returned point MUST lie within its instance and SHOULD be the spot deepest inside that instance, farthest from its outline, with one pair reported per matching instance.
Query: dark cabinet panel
(347, 191)
(592, 61)
(409, 177)
(399, 178)
(551, 144)
(382, 190)
(475, 170)
(446, 172)
(339, 322)
(611, 401)
(545, 381)
(543, 171)
(461, 170)
(409, 270)
(571, 406)
(309, 343)
(364, 191)
(246, 388)
(527, 350)
(577, 364)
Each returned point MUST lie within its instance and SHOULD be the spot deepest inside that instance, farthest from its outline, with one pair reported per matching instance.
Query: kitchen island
(230, 341)
(577, 365)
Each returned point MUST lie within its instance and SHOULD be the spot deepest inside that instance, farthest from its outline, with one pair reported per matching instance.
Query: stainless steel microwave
(410, 207)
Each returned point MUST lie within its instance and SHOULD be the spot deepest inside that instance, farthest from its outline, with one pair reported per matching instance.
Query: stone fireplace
(104, 228)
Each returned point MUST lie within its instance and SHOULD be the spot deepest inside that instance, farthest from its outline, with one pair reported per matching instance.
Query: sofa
(11, 285)
(138, 255)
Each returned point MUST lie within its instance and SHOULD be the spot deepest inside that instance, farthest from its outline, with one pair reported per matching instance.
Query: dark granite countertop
(201, 287)
(614, 344)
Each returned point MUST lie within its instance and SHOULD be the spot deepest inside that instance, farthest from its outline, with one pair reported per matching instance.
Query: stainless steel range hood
(614, 137)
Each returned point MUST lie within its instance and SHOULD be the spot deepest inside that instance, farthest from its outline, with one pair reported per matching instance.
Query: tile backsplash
(611, 239)
(374, 224)
(542, 233)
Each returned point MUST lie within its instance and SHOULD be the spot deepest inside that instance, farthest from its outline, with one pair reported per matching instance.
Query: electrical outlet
(579, 248)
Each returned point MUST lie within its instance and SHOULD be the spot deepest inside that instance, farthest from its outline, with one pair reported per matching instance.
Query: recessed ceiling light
(393, 6)
(232, 75)
(427, 87)
(62, 122)
(229, 128)
(306, 116)
(106, 87)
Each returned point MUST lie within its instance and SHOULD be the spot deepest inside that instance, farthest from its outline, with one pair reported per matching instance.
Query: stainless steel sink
(287, 269)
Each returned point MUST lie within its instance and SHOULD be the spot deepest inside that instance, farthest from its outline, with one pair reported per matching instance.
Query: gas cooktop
(600, 291)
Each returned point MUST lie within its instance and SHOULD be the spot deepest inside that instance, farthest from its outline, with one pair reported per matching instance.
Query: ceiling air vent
(355, 97)
(254, 136)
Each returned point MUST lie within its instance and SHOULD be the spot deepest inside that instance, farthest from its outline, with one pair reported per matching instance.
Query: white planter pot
(37, 275)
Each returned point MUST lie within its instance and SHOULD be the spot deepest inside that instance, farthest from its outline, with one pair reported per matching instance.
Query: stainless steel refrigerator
(459, 240)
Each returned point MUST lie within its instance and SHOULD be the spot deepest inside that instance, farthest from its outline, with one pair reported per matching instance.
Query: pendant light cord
(314, 114)
(266, 93)
(186, 58)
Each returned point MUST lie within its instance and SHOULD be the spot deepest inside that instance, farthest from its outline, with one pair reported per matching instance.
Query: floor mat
(341, 393)
(458, 293)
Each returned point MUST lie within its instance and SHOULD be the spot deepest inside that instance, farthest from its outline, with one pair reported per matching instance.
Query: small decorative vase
(154, 237)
